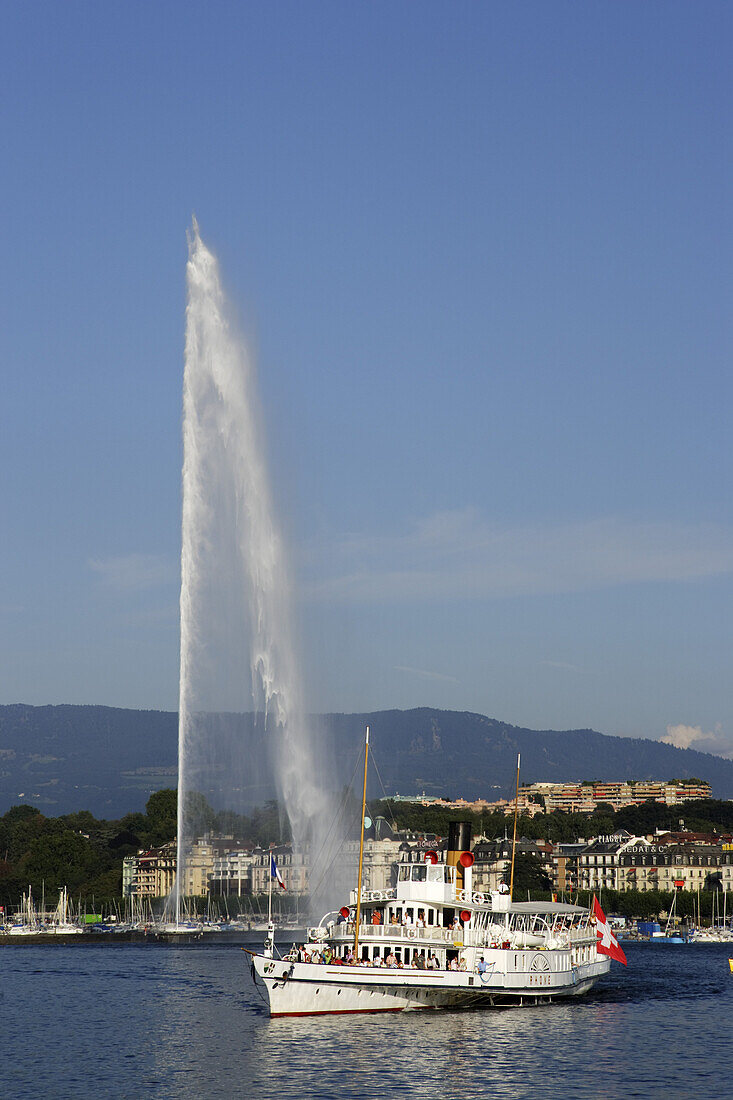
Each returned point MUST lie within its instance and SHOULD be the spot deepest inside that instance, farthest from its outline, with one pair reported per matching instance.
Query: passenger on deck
(453, 964)
(376, 917)
(391, 959)
(457, 926)
(420, 922)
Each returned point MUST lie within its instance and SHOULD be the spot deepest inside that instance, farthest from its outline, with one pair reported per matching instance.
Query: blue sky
(483, 254)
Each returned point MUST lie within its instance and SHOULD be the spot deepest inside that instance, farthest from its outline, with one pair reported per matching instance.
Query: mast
(269, 889)
(514, 838)
(361, 849)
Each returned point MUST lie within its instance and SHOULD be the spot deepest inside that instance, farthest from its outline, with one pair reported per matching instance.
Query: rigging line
(381, 784)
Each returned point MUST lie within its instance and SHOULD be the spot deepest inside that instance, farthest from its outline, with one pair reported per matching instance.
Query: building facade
(151, 873)
(586, 797)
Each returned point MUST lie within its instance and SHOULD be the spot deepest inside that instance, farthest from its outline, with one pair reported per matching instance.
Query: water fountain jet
(237, 635)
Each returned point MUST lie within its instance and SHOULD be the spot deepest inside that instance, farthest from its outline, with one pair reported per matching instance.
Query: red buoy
(466, 859)
(344, 912)
(431, 857)
(465, 916)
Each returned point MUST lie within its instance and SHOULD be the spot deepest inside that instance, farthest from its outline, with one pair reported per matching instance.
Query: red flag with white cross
(607, 942)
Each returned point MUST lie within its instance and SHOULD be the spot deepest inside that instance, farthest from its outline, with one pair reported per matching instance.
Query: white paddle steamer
(434, 942)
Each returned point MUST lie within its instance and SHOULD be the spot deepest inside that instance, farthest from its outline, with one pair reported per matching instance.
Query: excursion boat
(432, 941)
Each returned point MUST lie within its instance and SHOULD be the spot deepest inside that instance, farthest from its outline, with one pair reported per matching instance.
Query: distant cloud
(687, 737)
(563, 666)
(460, 555)
(425, 674)
(135, 572)
(683, 736)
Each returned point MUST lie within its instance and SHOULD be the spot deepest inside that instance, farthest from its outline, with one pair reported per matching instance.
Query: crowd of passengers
(421, 961)
(378, 917)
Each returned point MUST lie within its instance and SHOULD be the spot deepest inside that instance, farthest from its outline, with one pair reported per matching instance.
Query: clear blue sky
(483, 252)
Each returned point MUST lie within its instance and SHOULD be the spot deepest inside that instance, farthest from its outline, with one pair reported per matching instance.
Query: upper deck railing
(494, 935)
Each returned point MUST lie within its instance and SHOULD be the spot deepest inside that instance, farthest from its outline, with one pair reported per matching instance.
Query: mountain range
(109, 760)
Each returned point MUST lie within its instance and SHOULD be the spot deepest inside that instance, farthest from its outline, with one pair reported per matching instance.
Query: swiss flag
(607, 942)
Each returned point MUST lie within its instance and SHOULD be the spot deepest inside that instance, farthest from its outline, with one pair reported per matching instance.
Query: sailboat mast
(514, 838)
(361, 849)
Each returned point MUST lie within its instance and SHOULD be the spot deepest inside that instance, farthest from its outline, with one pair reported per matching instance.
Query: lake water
(129, 1021)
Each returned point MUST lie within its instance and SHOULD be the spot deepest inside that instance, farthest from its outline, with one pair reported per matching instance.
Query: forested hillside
(62, 759)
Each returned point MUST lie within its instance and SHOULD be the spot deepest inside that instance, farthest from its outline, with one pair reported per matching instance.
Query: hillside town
(579, 798)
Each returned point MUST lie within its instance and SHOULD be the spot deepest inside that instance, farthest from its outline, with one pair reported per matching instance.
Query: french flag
(275, 873)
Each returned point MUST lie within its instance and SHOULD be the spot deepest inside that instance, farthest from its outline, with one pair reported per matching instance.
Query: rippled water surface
(129, 1021)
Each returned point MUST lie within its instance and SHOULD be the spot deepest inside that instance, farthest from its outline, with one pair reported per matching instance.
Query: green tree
(529, 874)
(161, 811)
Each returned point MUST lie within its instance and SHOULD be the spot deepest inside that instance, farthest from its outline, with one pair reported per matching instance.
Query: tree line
(85, 853)
(699, 816)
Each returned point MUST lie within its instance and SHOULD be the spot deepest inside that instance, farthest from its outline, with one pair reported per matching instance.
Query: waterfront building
(599, 861)
(587, 796)
(493, 860)
(198, 866)
(151, 873)
(293, 866)
(564, 864)
(660, 864)
(231, 873)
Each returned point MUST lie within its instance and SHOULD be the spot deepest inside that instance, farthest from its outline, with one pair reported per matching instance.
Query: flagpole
(270, 941)
(361, 851)
(514, 838)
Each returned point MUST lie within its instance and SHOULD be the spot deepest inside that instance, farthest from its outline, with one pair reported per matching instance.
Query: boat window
(404, 873)
(418, 872)
(435, 872)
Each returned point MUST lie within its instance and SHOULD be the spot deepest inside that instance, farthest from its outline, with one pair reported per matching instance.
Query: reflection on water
(185, 1022)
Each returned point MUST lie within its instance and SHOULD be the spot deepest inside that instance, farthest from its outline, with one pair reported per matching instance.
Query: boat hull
(313, 989)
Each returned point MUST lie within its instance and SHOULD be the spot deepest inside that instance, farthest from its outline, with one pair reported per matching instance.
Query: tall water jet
(237, 636)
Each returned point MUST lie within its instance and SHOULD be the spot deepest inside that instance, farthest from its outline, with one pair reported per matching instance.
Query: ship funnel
(459, 845)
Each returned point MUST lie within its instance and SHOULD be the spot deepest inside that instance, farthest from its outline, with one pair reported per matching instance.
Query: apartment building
(585, 797)
(151, 873)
